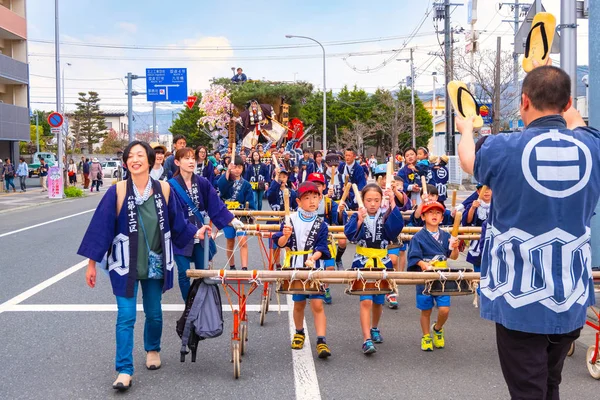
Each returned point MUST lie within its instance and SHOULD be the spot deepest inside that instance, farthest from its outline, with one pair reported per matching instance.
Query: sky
(209, 38)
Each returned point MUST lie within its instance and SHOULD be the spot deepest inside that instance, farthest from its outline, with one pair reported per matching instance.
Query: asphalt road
(58, 340)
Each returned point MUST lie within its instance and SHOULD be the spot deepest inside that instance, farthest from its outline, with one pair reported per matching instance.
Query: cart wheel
(593, 368)
(235, 355)
(264, 307)
(243, 338)
(571, 350)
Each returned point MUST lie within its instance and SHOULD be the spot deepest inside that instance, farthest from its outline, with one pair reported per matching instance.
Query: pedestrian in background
(43, 175)
(96, 174)
(143, 215)
(72, 172)
(23, 173)
(9, 175)
(85, 167)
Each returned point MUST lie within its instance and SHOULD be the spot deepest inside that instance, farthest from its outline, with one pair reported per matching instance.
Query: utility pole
(448, 78)
(496, 124)
(433, 110)
(412, 99)
(154, 118)
(37, 132)
(516, 69)
(568, 42)
(130, 93)
(594, 104)
(59, 137)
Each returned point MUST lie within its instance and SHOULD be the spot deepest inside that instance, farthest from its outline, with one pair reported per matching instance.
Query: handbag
(212, 246)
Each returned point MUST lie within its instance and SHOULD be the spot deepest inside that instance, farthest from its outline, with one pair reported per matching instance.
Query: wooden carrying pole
(454, 199)
(325, 274)
(456, 226)
(256, 213)
(424, 184)
(339, 228)
(286, 205)
(357, 196)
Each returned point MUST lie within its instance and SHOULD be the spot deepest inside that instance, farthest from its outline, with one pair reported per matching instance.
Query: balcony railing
(14, 122)
(13, 70)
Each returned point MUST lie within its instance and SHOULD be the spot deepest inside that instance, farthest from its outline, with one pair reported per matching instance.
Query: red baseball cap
(307, 187)
(316, 177)
(430, 205)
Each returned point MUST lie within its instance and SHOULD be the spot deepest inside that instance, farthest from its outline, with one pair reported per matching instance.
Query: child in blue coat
(236, 192)
(429, 249)
(372, 228)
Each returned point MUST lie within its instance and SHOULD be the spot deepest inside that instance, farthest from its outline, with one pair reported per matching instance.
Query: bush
(73, 191)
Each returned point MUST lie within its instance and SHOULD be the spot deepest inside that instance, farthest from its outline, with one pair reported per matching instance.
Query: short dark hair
(409, 149)
(431, 189)
(21, 159)
(317, 153)
(177, 138)
(149, 152)
(371, 187)
(349, 149)
(548, 88)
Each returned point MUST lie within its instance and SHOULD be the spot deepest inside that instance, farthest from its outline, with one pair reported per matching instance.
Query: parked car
(50, 159)
(110, 168)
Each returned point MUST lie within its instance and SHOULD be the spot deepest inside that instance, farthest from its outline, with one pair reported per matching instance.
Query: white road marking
(305, 374)
(110, 307)
(39, 287)
(46, 223)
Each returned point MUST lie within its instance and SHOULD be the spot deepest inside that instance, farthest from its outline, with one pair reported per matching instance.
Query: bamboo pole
(286, 206)
(454, 199)
(325, 274)
(339, 228)
(357, 196)
(424, 184)
(408, 237)
(456, 226)
(266, 213)
(267, 219)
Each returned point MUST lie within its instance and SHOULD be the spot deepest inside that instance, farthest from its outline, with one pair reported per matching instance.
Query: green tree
(88, 120)
(186, 124)
(295, 94)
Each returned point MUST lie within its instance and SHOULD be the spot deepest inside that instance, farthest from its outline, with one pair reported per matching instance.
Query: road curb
(52, 201)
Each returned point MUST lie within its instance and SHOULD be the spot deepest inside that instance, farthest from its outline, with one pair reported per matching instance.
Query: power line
(212, 59)
(395, 54)
(228, 48)
(77, 79)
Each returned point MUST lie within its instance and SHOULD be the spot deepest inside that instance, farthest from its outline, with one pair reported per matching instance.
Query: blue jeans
(10, 182)
(151, 298)
(183, 264)
(258, 198)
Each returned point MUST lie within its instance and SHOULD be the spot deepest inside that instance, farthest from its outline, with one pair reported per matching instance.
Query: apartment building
(14, 78)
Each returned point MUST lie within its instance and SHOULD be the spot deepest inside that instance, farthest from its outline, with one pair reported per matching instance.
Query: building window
(109, 125)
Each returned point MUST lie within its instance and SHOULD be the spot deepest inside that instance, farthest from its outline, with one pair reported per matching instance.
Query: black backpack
(202, 317)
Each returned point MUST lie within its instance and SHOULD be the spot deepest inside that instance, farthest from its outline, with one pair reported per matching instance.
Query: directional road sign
(55, 120)
(166, 84)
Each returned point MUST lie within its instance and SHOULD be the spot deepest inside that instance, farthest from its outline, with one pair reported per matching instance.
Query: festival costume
(258, 175)
(138, 246)
(546, 183)
(372, 239)
(410, 178)
(200, 192)
(439, 178)
(309, 235)
(425, 247)
(235, 194)
(206, 169)
(356, 174)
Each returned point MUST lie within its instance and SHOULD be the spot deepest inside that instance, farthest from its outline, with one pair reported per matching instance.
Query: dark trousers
(532, 363)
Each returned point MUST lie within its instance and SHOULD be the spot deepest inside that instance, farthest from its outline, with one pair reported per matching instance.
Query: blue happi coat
(257, 173)
(439, 178)
(119, 233)
(536, 262)
(376, 235)
(275, 197)
(423, 247)
(316, 239)
(356, 174)
(206, 170)
(205, 198)
(479, 217)
(240, 191)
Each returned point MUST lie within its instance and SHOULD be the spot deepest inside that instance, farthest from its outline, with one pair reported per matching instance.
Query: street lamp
(63, 88)
(324, 90)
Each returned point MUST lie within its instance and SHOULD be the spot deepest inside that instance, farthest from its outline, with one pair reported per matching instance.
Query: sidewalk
(33, 197)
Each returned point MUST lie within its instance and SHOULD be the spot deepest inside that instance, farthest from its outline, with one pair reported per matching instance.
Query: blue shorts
(394, 252)
(230, 232)
(404, 247)
(378, 299)
(303, 297)
(329, 262)
(425, 302)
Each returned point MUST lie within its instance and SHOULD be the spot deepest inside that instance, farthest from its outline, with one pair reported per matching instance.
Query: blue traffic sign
(55, 120)
(166, 84)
